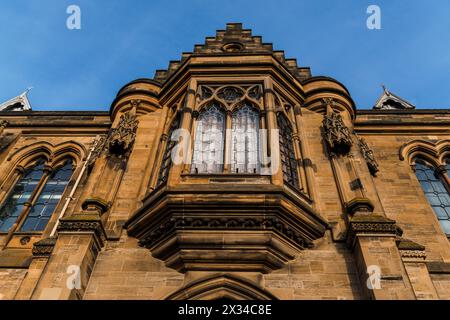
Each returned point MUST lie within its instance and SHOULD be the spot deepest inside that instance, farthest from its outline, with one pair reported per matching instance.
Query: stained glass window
(287, 153)
(244, 138)
(21, 193)
(436, 194)
(167, 157)
(209, 141)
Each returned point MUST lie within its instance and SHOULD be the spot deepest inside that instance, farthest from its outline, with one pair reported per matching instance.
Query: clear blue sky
(123, 40)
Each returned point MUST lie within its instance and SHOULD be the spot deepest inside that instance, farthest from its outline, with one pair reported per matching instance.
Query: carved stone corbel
(121, 138)
(410, 250)
(85, 222)
(119, 141)
(43, 248)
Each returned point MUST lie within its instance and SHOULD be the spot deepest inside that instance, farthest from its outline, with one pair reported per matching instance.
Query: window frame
(226, 136)
(48, 170)
(441, 173)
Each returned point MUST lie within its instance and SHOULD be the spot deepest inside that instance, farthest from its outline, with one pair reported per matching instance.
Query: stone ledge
(438, 267)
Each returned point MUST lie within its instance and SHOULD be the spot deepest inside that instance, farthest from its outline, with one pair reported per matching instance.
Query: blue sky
(123, 40)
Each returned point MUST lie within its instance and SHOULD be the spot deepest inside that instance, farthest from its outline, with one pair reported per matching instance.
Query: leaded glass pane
(448, 167)
(244, 140)
(21, 192)
(48, 199)
(167, 157)
(287, 154)
(209, 141)
(436, 194)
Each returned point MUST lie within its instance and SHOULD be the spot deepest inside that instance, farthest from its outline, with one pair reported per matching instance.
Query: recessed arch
(52, 153)
(434, 152)
(221, 287)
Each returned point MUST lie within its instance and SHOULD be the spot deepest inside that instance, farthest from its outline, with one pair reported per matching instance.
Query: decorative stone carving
(171, 224)
(410, 249)
(365, 224)
(3, 125)
(368, 155)
(44, 247)
(231, 94)
(255, 92)
(336, 134)
(121, 138)
(97, 152)
(84, 222)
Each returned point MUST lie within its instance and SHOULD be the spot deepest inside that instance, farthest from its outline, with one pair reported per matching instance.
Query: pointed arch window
(167, 157)
(208, 154)
(287, 153)
(35, 197)
(435, 191)
(244, 140)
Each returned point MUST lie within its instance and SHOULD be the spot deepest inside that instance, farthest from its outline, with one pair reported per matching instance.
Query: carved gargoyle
(336, 134)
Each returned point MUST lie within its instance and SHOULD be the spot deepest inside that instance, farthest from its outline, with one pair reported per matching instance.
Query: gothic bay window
(287, 153)
(436, 193)
(35, 197)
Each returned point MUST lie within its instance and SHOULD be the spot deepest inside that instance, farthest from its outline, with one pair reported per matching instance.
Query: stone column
(66, 275)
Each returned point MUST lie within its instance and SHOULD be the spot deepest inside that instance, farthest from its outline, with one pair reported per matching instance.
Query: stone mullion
(157, 156)
(301, 175)
(228, 143)
(304, 151)
(186, 124)
(441, 172)
(9, 184)
(262, 142)
(269, 99)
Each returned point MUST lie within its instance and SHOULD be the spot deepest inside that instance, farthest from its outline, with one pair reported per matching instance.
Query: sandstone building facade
(234, 173)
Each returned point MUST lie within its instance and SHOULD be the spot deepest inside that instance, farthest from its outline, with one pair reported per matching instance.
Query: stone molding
(44, 247)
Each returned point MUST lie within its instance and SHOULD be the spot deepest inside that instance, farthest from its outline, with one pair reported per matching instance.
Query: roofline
(402, 111)
(53, 113)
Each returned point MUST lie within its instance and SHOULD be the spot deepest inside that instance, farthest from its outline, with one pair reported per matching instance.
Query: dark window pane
(436, 194)
(287, 153)
(167, 157)
(47, 200)
(21, 192)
